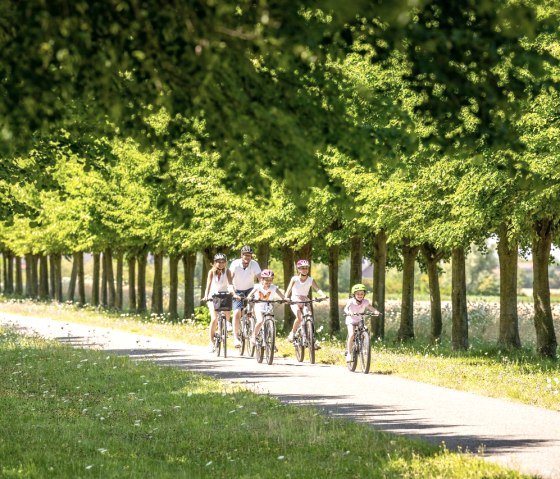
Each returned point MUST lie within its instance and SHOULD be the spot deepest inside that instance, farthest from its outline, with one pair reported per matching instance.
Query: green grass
(70, 413)
(483, 369)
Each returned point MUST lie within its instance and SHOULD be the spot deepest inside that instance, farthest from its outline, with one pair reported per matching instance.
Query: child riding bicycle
(355, 306)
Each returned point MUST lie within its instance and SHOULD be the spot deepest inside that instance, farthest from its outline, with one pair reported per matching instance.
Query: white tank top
(218, 284)
(299, 288)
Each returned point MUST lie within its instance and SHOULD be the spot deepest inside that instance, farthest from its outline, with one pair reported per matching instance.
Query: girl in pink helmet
(298, 290)
(263, 292)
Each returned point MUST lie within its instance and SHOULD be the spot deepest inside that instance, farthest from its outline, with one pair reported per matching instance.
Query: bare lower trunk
(142, 303)
(73, 276)
(95, 279)
(207, 259)
(334, 313)
(189, 265)
(288, 267)
(460, 323)
(263, 255)
(379, 270)
(406, 328)
(509, 322)
(157, 289)
(173, 286)
(79, 259)
(29, 275)
(56, 270)
(19, 277)
(9, 272)
(544, 327)
(119, 282)
(132, 283)
(355, 260)
(432, 257)
(44, 277)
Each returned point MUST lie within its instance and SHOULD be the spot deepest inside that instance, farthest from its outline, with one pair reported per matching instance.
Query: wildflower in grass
(102, 450)
(281, 458)
(208, 463)
(89, 466)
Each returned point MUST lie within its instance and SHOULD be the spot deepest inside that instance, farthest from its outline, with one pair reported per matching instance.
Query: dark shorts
(237, 303)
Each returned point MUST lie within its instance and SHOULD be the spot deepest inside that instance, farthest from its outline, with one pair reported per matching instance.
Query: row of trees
(397, 133)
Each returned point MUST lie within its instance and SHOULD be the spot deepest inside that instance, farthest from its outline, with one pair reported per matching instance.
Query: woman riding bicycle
(298, 290)
(355, 306)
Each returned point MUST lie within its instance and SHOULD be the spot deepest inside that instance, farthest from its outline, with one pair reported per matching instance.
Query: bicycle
(361, 345)
(222, 303)
(247, 325)
(304, 336)
(265, 341)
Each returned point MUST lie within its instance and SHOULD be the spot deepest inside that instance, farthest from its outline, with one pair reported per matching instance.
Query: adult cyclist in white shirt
(244, 270)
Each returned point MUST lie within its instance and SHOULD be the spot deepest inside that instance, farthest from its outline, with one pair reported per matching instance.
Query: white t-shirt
(265, 294)
(244, 278)
(300, 288)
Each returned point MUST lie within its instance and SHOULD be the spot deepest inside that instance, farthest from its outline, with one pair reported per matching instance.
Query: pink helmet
(267, 273)
(302, 263)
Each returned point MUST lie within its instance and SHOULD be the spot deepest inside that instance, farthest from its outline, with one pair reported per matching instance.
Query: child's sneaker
(237, 343)
(211, 348)
(229, 327)
(348, 357)
(291, 337)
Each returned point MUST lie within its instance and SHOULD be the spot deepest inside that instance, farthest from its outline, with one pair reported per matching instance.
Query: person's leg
(213, 324)
(297, 321)
(350, 338)
(259, 321)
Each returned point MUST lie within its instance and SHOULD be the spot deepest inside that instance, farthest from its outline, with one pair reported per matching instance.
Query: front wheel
(298, 345)
(354, 361)
(310, 340)
(245, 336)
(260, 345)
(223, 334)
(269, 340)
(365, 352)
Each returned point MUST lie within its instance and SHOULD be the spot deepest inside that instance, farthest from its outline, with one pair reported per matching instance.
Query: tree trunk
(142, 262)
(207, 261)
(546, 336)
(9, 269)
(44, 277)
(35, 275)
(173, 286)
(119, 285)
(103, 281)
(79, 259)
(73, 276)
(110, 278)
(132, 283)
(19, 277)
(28, 275)
(433, 257)
(460, 320)
(56, 270)
(379, 270)
(305, 252)
(263, 255)
(157, 289)
(406, 328)
(509, 321)
(52, 275)
(189, 265)
(288, 267)
(355, 260)
(95, 279)
(334, 313)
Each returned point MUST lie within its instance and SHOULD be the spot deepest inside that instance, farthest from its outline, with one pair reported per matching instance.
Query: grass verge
(71, 413)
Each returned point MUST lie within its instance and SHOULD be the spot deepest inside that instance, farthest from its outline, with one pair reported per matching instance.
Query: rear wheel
(217, 338)
(245, 338)
(298, 345)
(352, 364)
(223, 334)
(269, 340)
(310, 340)
(364, 354)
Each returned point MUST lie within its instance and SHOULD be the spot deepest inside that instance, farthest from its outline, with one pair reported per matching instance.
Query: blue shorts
(238, 303)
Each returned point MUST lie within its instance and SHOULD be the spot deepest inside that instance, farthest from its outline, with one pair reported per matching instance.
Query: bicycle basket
(222, 302)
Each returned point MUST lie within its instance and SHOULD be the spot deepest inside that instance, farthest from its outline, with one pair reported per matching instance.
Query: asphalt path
(517, 436)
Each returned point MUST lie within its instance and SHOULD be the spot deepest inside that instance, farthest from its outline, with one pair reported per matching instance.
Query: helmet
(219, 256)
(302, 263)
(359, 287)
(246, 249)
(267, 273)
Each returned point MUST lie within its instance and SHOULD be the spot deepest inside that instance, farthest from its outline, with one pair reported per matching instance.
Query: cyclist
(219, 280)
(262, 292)
(243, 270)
(298, 290)
(356, 305)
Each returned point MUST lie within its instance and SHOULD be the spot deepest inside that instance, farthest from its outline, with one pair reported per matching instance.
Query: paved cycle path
(517, 436)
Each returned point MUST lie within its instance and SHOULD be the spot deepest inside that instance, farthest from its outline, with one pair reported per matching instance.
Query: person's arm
(257, 270)
(279, 293)
(232, 269)
(208, 284)
(346, 308)
(231, 289)
(372, 309)
(319, 290)
(289, 288)
(252, 293)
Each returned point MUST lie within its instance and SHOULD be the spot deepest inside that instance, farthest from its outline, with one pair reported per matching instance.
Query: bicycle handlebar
(315, 300)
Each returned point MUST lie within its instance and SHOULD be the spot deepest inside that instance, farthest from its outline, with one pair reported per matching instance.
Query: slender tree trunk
(56, 270)
(132, 283)
(78, 257)
(207, 260)
(110, 278)
(44, 277)
(460, 320)
(9, 268)
(305, 252)
(3, 272)
(379, 270)
(142, 262)
(509, 321)
(19, 277)
(35, 273)
(288, 267)
(173, 286)
(73, 276)
(406, 328)
(29, 275)
(189, 265)
(52, 275)
(95, 279)
(334, 312)
(433, 257)
(103, 280)
(119, 281)
(544, 326)
(355, 260)
(263, 255)
(157, 290)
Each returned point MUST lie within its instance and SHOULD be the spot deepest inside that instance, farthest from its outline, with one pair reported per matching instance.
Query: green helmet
(359, 287)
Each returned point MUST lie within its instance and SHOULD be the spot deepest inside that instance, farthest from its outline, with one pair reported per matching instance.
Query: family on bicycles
(246, 283)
